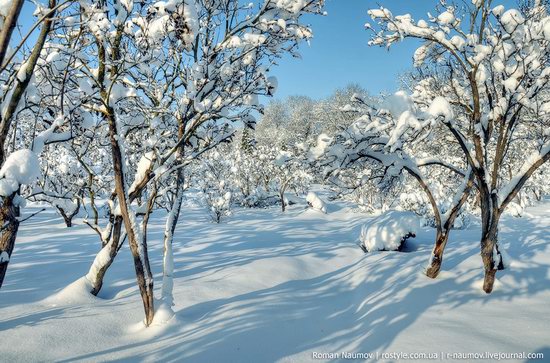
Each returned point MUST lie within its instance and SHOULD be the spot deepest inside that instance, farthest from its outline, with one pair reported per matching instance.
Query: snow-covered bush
(219, 203)
(389, 231)
(315, 202)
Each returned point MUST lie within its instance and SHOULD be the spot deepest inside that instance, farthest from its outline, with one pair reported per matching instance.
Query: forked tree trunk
(9, 214)
(68, 217)
(444, 230)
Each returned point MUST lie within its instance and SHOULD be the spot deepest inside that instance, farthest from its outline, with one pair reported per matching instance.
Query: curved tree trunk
(105, 257)
(9, 212)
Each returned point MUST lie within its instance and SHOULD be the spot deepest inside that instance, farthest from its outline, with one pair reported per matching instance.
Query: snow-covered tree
(387, 149)
(493, 71)
(19, 61)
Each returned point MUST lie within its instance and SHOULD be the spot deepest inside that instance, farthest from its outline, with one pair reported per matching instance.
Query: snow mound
(315, 202)
(77, 292)
(389, 231)
(163, 313)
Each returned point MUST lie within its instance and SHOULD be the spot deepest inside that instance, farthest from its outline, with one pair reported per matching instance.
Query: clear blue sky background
(339, 53)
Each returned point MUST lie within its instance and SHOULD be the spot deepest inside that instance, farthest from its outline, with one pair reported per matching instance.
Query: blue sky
(339, 53)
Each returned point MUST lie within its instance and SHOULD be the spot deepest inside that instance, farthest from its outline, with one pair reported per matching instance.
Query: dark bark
(141, 261)
(8, 219)
(490, 216)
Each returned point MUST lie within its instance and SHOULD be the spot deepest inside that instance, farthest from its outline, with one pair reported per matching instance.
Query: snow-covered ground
(266, 286)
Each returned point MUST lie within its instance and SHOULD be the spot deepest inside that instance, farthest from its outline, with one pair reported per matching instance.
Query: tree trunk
(105, 257)
(437, 254)
(10, 225)
(491, 256)
(444, 226)
(137, 243)
(168, 260)
(9, 25)
(490, 252)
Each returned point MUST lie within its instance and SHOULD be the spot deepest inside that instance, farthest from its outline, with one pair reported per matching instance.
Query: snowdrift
(389, 231)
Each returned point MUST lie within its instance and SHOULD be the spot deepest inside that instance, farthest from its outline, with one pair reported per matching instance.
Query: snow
(263, 287)
(440, 106)
(5, 6)
(323, 142)
(315, 202)
(386, 232)
(398, 103)
(21, 167)
(4, 257)
(143, 166)
(511, 84)
(498, 10)
(511, 19)
(446, 18)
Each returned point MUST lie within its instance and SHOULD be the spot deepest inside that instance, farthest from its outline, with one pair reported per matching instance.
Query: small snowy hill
(267, 286)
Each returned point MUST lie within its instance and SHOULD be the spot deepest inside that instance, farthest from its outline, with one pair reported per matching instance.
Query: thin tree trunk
(168, 260)
(137, 244)
(167, 291)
